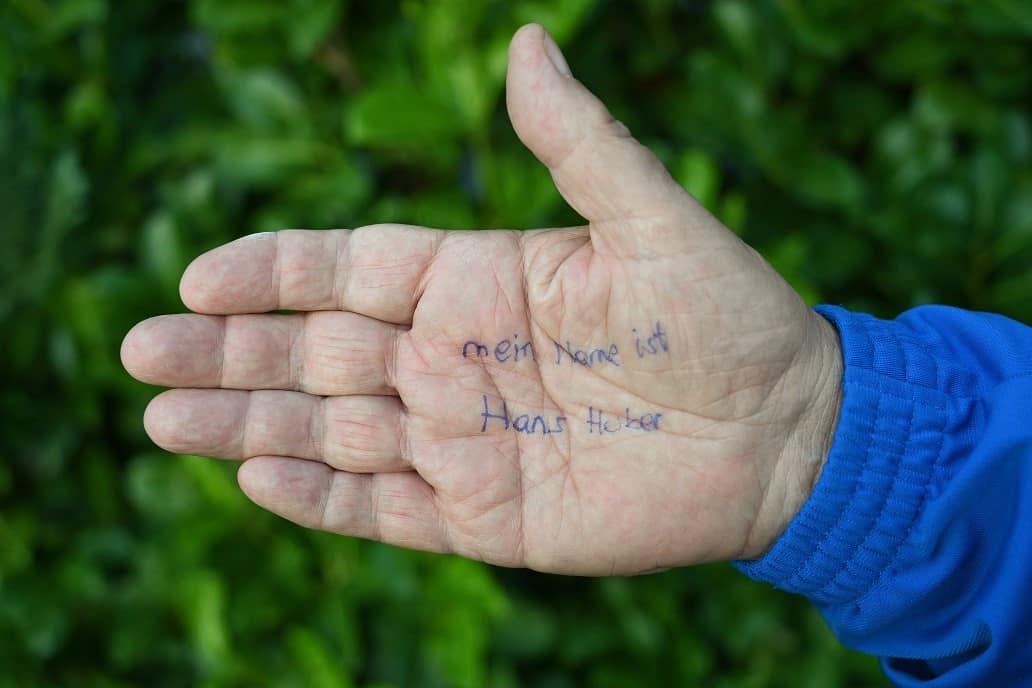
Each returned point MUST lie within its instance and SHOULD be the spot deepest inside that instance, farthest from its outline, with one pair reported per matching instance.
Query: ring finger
(360, 434)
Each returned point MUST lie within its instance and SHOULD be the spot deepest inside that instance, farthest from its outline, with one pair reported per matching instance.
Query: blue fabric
(916, 544)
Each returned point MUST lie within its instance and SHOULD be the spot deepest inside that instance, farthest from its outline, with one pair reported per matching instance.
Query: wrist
(816, 431)
(885, 458)
(816, 381)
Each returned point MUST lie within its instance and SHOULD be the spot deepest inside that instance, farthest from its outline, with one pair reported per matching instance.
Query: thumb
(602, 171)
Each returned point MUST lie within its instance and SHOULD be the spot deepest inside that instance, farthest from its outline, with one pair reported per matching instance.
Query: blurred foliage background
(878, 153)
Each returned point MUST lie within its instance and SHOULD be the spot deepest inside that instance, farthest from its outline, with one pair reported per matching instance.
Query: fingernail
(556, 55)
(257, 236)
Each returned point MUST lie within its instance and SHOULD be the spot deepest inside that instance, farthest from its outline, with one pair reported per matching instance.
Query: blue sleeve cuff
(884, 460)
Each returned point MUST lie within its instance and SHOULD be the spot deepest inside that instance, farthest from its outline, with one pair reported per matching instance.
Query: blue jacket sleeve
(916, 543)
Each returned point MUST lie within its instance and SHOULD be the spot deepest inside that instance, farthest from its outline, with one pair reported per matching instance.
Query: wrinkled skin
(364, 412)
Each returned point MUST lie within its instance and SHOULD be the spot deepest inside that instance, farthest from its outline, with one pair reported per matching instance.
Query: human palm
(639, 393)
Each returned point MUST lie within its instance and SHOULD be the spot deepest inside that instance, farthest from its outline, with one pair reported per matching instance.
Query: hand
(640, 393)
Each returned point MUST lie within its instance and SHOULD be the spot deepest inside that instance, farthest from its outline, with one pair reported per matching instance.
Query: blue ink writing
(601, 424)
(503, 351)
(524, 423)
(587, 357)
(652, 344)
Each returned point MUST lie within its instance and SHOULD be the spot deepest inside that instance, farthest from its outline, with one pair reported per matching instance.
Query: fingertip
(219, 281)
(151, 419)
(253, 479)
(188, 421)
(157, 422)
(256, 479)
(613, 176)
(286, 486)
(538, 95)
(526, 39)
(261, 476)
(173, 350)
(529, 59)
(125, 350)
(247, 478)
(203, 285)
(134, 347)
(189, 289)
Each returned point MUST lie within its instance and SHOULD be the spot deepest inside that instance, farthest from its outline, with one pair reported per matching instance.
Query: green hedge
(878, 153)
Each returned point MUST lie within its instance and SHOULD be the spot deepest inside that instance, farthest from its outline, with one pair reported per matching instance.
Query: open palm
(640, 393)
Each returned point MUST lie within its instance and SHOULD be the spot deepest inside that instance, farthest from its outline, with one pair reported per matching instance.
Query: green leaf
(562, 18)
(314, 661)
(262, 160)
(909, 154)
(398, 115)
(1015, 232)
(521, 192)
(68, 193)
(737, 20)
(86, 105)
(697, 173)
(162, 250)
(947, 106)
(71, 15)
(1001, 17)
(238, 16)
(311, 22)
(733, 211)
(915, 54)
(528, 630)
(810, 31)
(829, 179)
(202, 603)
(264, 99)
(1013, 294)
(159, 489)
(790, 256)
(990, 180)
(215, 482)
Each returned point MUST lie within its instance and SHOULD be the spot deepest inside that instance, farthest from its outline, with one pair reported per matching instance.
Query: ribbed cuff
(883, 459)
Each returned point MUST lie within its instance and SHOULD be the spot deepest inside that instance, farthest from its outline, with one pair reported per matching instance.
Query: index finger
(375, 271)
